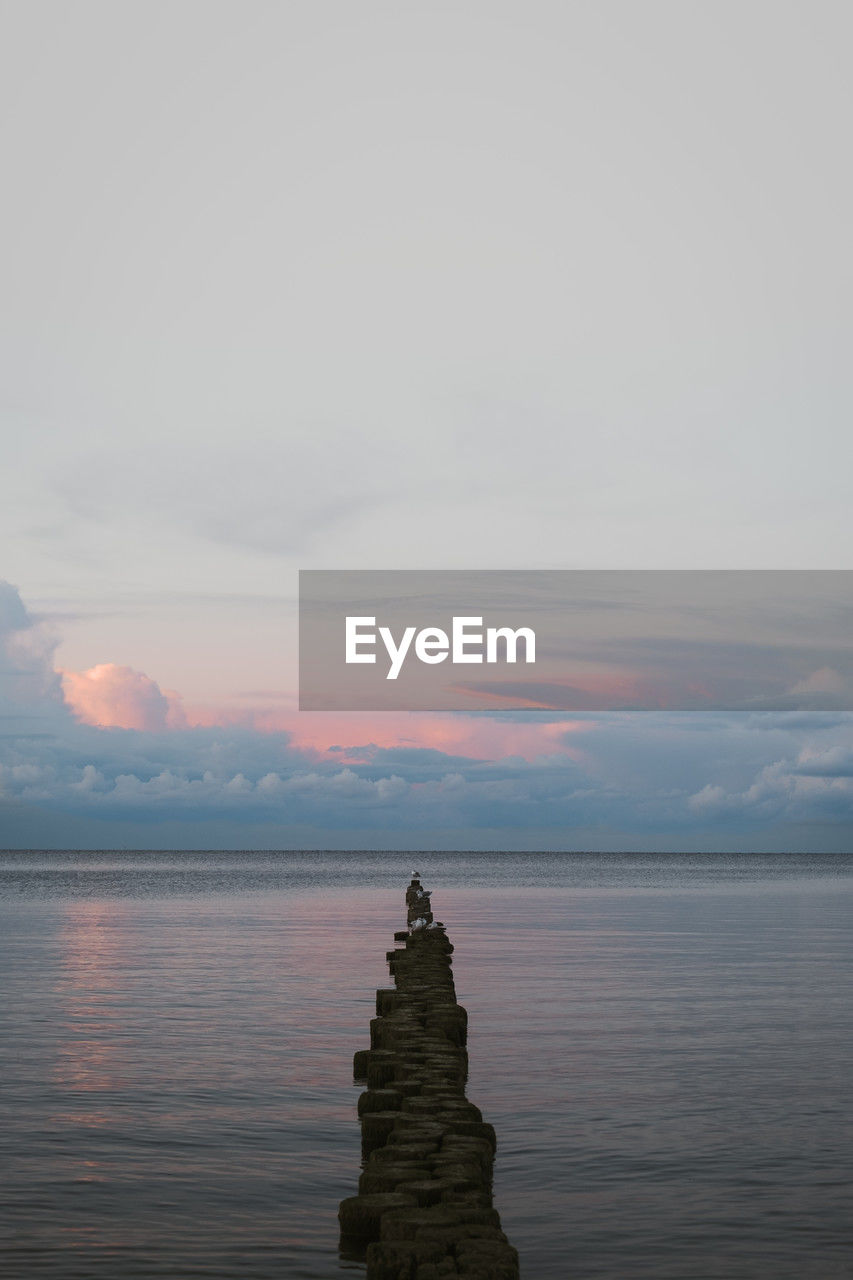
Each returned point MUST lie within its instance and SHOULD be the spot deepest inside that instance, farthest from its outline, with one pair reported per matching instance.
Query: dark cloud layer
(640, 780)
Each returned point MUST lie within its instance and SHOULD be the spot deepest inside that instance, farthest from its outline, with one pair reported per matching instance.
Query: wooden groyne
(424, 1208)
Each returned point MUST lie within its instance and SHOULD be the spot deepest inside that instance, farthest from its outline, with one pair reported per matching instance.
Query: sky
(323, 285)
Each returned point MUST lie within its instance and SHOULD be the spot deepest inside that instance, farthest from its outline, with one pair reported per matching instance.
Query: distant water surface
(663, 1043)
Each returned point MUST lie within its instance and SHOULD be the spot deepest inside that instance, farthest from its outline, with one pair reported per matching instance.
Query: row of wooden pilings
(424, 1209)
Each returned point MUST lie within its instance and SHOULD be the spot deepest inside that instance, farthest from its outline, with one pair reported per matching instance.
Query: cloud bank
(105, 758)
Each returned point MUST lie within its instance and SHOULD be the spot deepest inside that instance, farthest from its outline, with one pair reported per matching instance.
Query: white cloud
(824, 680)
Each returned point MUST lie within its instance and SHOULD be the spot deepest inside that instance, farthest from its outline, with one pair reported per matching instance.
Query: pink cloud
(477, 737)
(111, 696)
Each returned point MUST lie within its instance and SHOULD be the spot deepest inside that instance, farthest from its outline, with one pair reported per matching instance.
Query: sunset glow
(112, 696)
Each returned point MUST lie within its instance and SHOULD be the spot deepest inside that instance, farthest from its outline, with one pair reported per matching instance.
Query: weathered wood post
(424, 1209)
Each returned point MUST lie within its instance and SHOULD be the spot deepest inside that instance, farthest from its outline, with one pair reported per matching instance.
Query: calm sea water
(664, 1044)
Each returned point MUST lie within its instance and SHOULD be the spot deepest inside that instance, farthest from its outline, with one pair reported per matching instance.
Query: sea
(663, 1042)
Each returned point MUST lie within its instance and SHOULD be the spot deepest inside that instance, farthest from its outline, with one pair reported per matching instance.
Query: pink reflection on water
(89, 1058)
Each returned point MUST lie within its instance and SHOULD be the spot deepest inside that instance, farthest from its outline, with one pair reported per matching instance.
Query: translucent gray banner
(575, 640)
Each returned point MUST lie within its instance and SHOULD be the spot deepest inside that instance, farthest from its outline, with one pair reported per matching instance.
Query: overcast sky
(409, 285)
